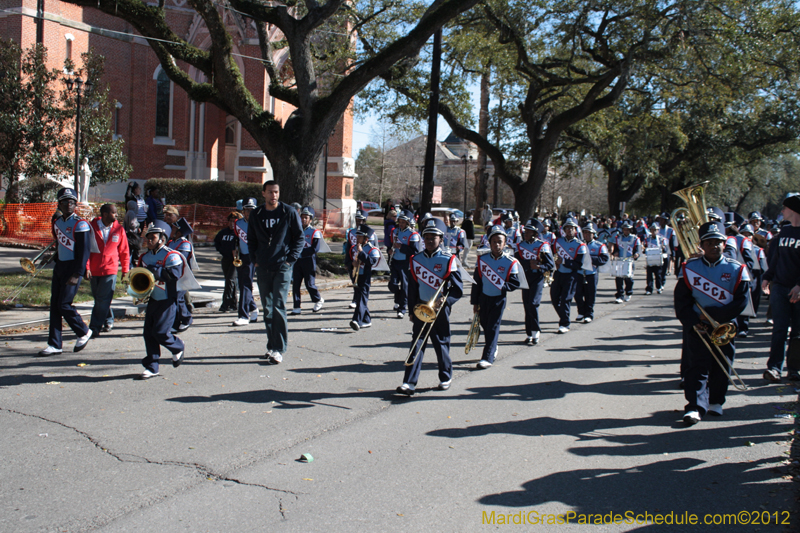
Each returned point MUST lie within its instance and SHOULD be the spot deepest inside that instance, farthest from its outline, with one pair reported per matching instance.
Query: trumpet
(30, 266)
(141, 283)
(237, 261)
(427, 312)
(354, 273)
(474, 333)
(720, 335)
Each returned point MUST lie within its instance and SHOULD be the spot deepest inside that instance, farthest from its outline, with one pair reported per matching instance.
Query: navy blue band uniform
(626, 248)
(367, 259)
(183, 315)
(535, 250)
(494, 278)
(409, 242)
(654, 272)
(73, 235)
(427, 273)
(575, 259)
(721, 288)
(167, 267)
(586, 293)
(245, 273)
(305, 268)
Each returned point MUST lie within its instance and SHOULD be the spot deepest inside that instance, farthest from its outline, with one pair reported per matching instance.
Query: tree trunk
(481, 176)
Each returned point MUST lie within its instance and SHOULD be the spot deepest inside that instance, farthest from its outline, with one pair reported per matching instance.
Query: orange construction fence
(29, 224)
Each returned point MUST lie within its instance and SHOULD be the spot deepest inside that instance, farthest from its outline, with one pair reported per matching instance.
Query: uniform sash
(708, 287)
(63, 240)
(492, 276)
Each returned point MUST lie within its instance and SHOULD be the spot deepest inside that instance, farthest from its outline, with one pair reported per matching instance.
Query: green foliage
(218, 193)
(107, 161)
(32, 138)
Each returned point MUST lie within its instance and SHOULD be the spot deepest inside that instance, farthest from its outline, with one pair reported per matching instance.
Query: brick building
(166, 134)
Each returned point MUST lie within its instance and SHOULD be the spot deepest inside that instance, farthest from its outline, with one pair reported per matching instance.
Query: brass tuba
(687, 220)
(141, 283)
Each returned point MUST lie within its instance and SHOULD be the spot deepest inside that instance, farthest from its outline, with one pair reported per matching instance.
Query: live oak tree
(573, 59)
(324, 73)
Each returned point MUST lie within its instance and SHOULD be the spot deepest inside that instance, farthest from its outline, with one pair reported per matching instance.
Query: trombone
(720, 335)
(427, 312)
(237, 260)
(474, 332)
(30, 266)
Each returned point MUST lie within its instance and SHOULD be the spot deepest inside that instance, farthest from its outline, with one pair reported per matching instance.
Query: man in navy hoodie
(275, 238)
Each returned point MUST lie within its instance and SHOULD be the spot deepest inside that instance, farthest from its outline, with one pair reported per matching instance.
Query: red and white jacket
(112, 253)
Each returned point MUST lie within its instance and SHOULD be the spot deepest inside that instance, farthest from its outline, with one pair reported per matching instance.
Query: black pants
(654, 274)
(229, 299)
(561, 293)
(704, 382)
(628, 282)
(531, 298)
(586, 295)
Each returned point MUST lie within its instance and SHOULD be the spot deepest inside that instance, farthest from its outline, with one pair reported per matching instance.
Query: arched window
(163, 105)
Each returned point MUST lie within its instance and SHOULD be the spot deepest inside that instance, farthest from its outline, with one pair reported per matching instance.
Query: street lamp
(466, 162)
(82, 88)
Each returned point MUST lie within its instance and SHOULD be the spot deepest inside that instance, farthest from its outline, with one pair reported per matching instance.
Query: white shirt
(104, 230)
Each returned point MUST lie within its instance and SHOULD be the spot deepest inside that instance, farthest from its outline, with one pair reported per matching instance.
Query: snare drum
(654, 257)
(622, 268)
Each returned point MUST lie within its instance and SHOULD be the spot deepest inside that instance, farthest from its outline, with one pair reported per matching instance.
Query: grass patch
(37, 294)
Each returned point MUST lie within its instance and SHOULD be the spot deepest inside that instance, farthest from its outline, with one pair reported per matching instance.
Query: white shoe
(177, 359)
(627, 298)
(444, 385)
(296, 311)
(396, 307)
(49, 351)
(352, 305)
(648, 293)
(82, 342)
(618, 301)
(563, 329)
(715, 409)
(529, 341)
(318, 306)
(400, 314)
(254, 316)
(267, 356)
(241, 321)
(483, 364)
(147, 374)
(579, 318)
(276, 358)
(659, 291)
(587, 320)
(366, 325)
(354, 325)
(536, 337)
(691, 418)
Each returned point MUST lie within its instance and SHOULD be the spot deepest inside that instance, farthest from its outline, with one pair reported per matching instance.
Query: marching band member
(350, 240)
(455, 238)
(225, 243)
(406, 243)
(672, 244)
(625, 246)
(572, 257)
(720, 285)
(429, 270)
(759, 266)
(484, 244)
(740, 248)
(495, 275)
(248, 310)
(656, 241)
(512, 233)
(365, 255)
(548, 236)
(305, 268)
(181, 243)
(73, 235)
(757, 221)
(167, 267)
(536, 258)
(586, 294)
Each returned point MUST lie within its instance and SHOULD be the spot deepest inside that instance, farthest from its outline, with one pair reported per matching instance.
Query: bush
(217, 193)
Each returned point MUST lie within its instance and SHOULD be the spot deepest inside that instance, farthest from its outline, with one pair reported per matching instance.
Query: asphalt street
(588, 423)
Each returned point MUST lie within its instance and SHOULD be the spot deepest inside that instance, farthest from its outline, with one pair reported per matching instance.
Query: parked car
(370, 206)
(442, 212)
